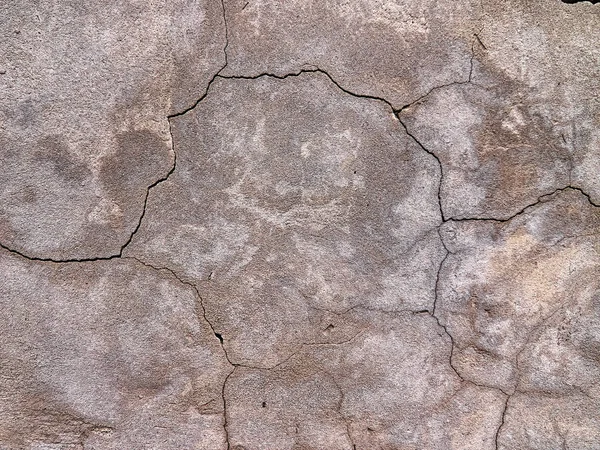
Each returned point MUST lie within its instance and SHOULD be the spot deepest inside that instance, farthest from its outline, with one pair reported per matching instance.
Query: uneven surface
(316, 224)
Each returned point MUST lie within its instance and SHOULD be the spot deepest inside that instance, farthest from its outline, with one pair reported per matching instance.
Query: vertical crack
(217, 335)
(226, 34)
(426, 150)
(225, 421)
(502, 420)
(339, 407)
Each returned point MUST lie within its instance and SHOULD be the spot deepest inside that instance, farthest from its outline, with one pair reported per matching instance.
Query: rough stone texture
(256, 224)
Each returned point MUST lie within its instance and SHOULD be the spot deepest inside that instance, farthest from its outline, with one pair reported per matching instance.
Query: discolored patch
(498, 154)
(504, 283)
(53, 154)
(140, 156)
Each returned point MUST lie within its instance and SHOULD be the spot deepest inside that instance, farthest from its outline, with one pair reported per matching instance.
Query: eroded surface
(255, 224)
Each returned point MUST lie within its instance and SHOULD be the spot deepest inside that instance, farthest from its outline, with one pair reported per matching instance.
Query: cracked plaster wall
(310, 224)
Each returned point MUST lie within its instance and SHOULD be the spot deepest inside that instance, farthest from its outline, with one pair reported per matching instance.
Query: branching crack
(203, 317)
(198, 296)
(219, 336)
(452, 83)
(156, 183)
(202, 313)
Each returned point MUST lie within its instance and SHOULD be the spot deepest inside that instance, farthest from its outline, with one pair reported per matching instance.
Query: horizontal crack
(541, 199)
(192, 107)
(102, 258)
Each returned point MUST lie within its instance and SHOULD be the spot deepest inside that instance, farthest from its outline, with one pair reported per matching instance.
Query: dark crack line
(309, 71)
(198, 296)
(212, 80)
(502, 420)
(479, 40)
(225, 421)
(217, 335)
(396, 113)
(339, 406)
(426, 150)
(220, 337)
(123, 246)
(210, 325)
(226, 34)
(541, 199)
(432, 313)
(450, 362)
(442, 86)
(156, 183)
(437, 278)
(585, 194)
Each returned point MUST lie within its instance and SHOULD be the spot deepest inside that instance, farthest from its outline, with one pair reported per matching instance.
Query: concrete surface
(300, 224)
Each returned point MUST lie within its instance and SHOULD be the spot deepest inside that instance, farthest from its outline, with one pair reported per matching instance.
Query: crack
(585, 194)
(398, 113)
(123, 246)
(210, 325)
(434, 306)
(437, 278)
(339, 406)
(533, 334)
(301, 346)
(212, 80)
(234, 365)
(220, 337)
(541, 199)
(452, 83)
(226, 34)
(452, 345)
(394, 111)
(426, 150)
(198, 296)
(156, 183)
(225, 421)
(502, 420)
(432, 313)
(479, 41)
(307, 71)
